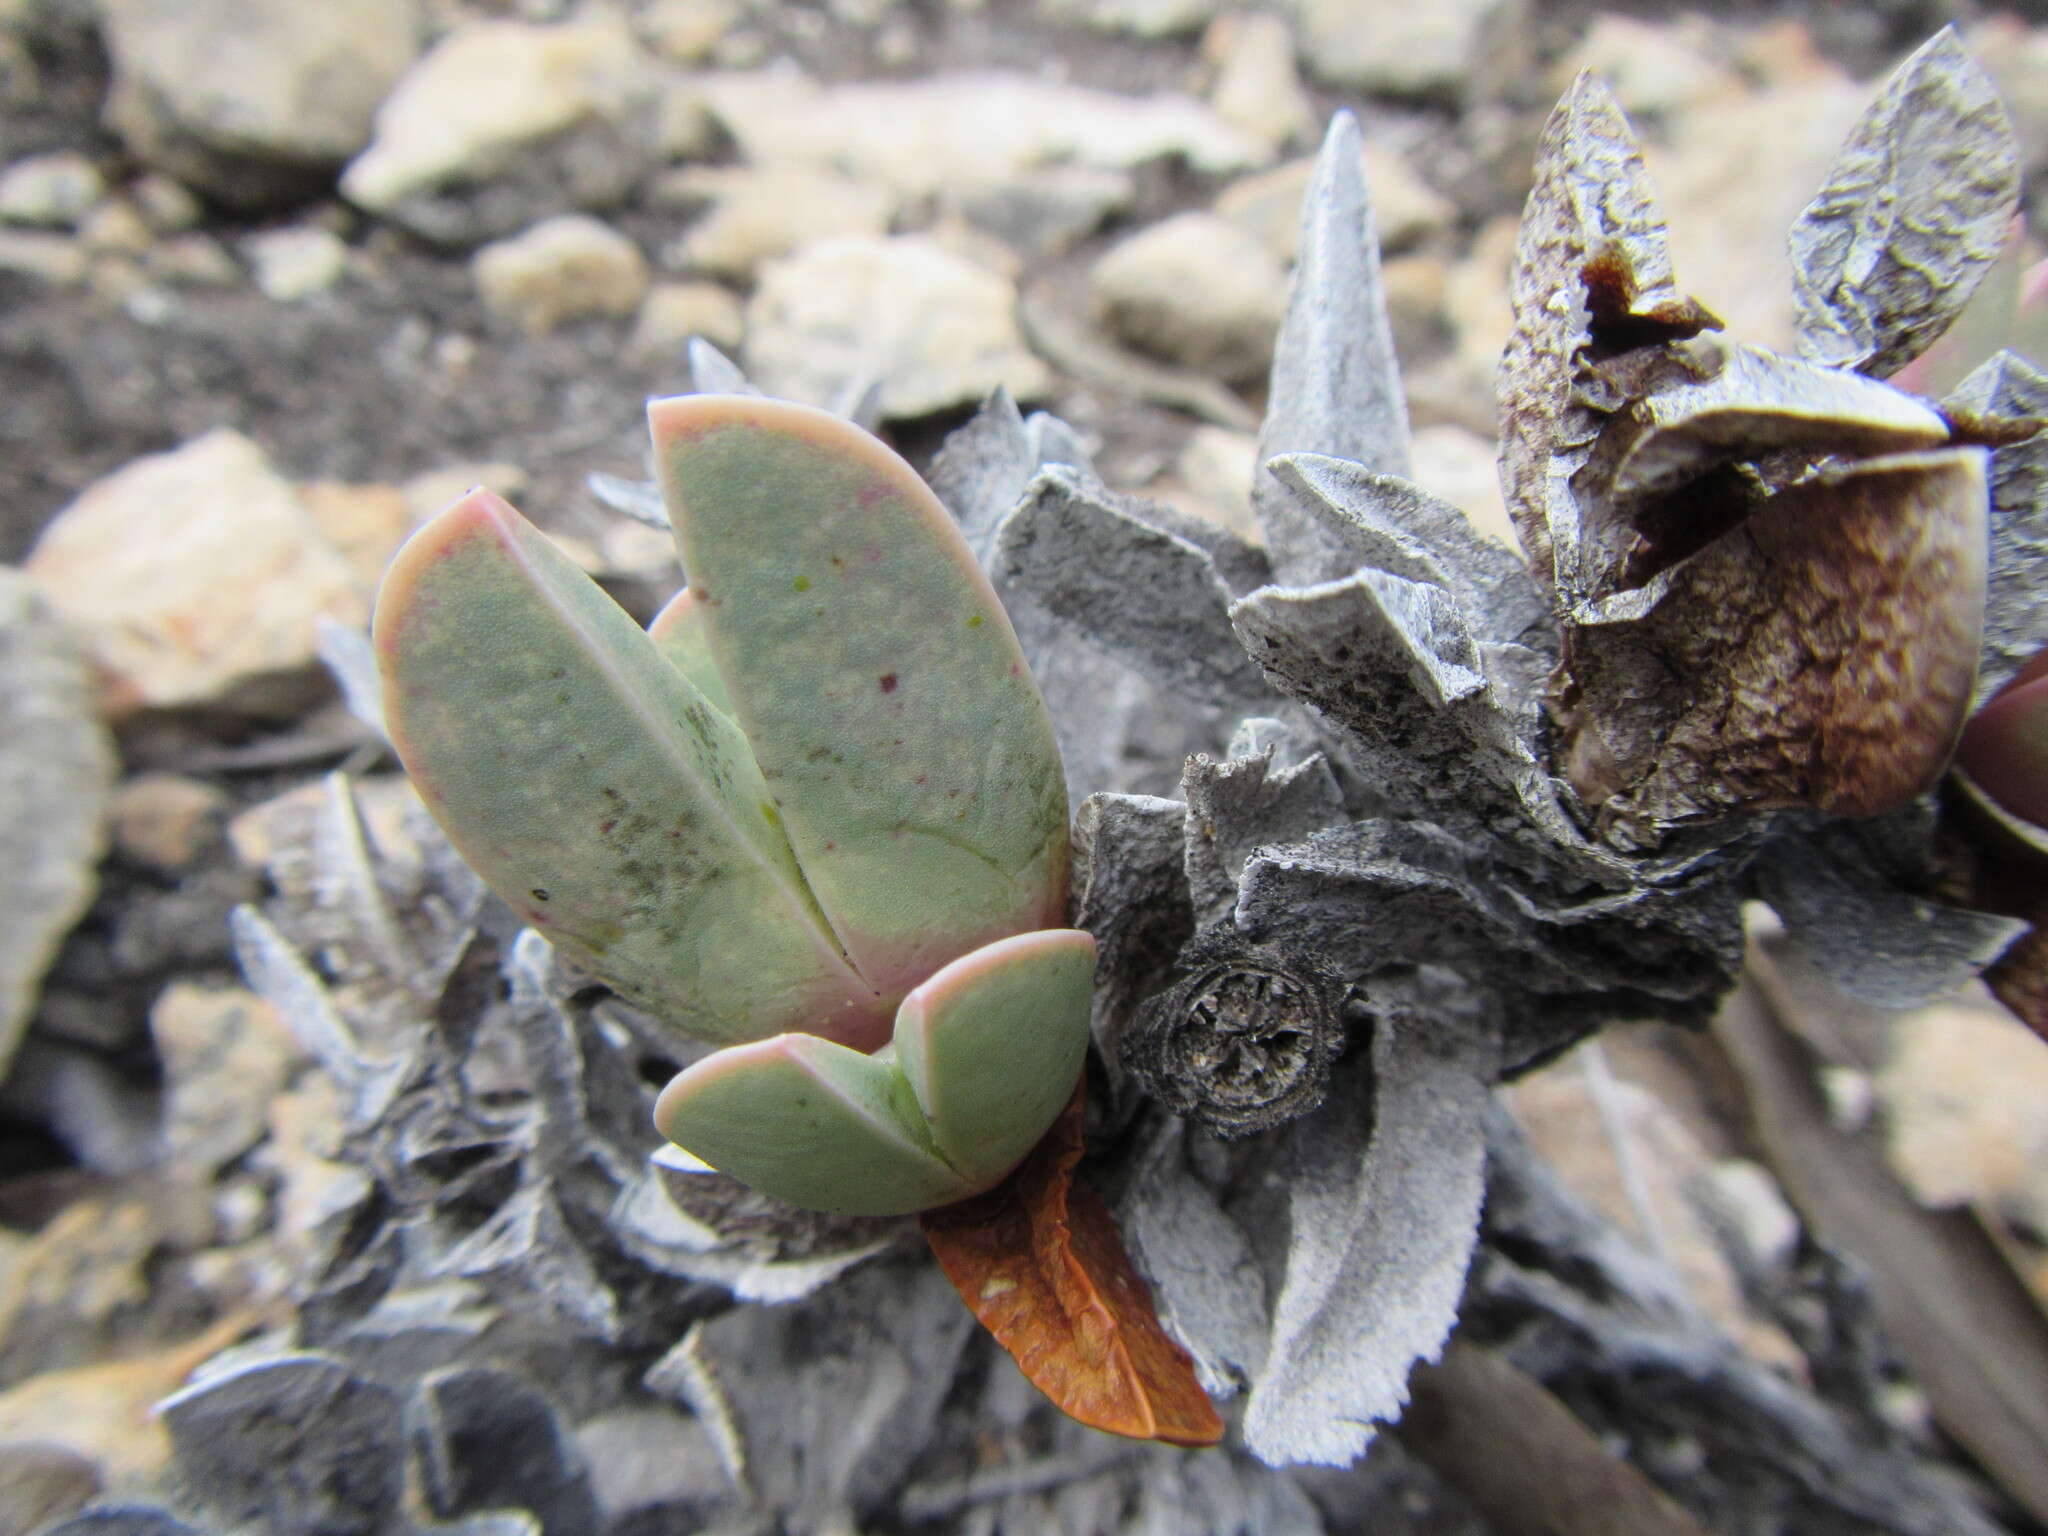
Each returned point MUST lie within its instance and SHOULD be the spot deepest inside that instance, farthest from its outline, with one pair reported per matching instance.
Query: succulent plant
(814, 815)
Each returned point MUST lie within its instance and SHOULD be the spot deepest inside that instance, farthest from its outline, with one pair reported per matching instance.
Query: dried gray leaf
(1395, 526)
(1131, 892)
(1383, 1191)
(2016, 589)
(296, 1444)
(859, 400)
(824, 1404)
(982, 468)
(1878, 943)
(528, 1250)
(57, 768)
(1911, 216)
(713, 373)
(1336, 384)
(487, 1440)
(1390, 663)
(1205, 1278)
(1155, 599)
(345, 651)
(1218, 1495)
(1240, 804)
(637, 499)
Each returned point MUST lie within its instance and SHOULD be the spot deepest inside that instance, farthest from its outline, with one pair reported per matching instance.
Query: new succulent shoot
(814, 815)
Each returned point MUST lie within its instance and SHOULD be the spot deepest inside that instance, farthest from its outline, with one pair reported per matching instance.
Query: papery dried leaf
(1039, 1261)
(1592, 265)
(1822, 656)
(2020, 979)
(1911, 216)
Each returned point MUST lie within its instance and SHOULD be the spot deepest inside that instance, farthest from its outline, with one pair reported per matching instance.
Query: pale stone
(366, 523)
(1733, 177)
(226, 1054)
(196, 260)
(751, 216)
(937, 330)
(54, 190)
(164, 821)
(253, 104)
(1965, 1095)
(1396, 46)
(1217, 465)
(1654, 69)
(1197, 290)
(968, 130)
(1406, 210)
(116, 227)
(1460, 467)
(194, 577)
(1257, 87)
(296, 263)
(673, 313)
(503, 123)
(56, 770)
(49, 258)
(169, 206)
(1138, 18)
(567, 268)
(686, 31)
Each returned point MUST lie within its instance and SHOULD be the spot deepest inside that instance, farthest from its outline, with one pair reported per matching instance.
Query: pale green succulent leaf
(681, 634)
(877, 677)
(594, 788)
(992, 1045)
(812, 1123)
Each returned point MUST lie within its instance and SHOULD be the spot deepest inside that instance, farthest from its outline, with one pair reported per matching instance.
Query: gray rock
(1396, 47)
(254, 105)
(503, 124)
(56, 776)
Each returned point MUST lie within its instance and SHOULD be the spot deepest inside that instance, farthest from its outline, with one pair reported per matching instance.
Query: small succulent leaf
(808, 1121)
(713, 373)
(1592, 261)
(993, 1043)
(1911, 216)
(2015, 609)
(1822, 657)
(1336, 385)
(907, 750)
(594, 789)
(1039, 1261)
(681, 633)
(2005, 745)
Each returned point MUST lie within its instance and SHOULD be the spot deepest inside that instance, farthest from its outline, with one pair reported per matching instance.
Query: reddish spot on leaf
(1038, 1259)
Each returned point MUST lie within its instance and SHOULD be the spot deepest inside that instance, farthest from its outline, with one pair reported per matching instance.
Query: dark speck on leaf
(888, 682)
(538, 894)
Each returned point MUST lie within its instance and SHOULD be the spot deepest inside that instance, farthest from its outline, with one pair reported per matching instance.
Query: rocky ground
(270, 295)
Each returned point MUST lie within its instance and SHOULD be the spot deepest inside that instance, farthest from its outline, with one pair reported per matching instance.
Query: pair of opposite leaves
(815, 814)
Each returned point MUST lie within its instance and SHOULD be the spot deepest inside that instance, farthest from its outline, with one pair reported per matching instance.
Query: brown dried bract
(1038, 1259)
(1821, 654)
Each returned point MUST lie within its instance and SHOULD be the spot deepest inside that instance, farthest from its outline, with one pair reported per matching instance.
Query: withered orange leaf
(1038, 1259)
